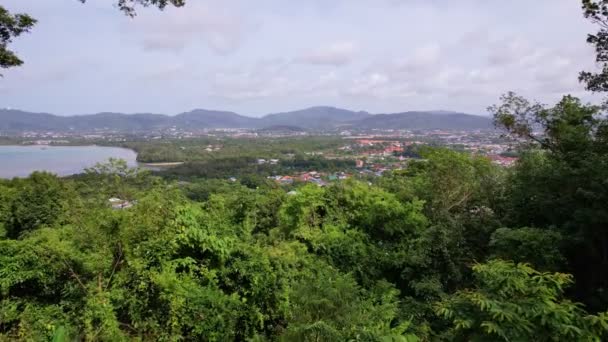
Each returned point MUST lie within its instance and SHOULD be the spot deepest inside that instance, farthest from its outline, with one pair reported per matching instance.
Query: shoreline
(45, 146)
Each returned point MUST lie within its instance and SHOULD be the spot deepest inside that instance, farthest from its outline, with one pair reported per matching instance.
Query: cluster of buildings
(318, 178)
(213, 148)
(375, 148)
(269, 161)
(502, 161)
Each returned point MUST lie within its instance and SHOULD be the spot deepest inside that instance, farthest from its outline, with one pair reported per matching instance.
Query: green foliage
(514, 302)
(330, 307)
(12, 26)
(562, 186)
(41, 201)
(539, 247)
(597, 12)
(448, 181)
(218, 260)
(128, 6)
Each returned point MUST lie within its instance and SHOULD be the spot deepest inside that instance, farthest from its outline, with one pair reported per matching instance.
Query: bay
(21, 161)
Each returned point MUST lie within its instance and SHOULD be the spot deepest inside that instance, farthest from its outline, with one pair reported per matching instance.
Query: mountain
(19, 121)
(201, 118)
(117, 121)
(426, 121)
(314, 118)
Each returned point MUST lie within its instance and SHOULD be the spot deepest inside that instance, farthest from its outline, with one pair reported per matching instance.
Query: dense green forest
(211, 149)
(451, 248)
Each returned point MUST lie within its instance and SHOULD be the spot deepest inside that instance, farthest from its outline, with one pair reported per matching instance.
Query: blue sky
(257, 57)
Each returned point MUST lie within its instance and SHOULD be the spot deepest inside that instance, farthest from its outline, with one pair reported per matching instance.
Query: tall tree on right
(597, 12)
(560, 183)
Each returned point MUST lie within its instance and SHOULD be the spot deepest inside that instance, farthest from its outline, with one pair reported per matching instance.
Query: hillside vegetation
(453, 248)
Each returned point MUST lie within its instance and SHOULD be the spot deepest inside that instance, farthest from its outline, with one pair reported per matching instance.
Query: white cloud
(266, 78)
(425, 56)
(390, 54)
(221, 29)
(337, 54)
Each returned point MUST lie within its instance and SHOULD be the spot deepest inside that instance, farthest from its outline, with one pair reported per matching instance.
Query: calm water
(20, 161)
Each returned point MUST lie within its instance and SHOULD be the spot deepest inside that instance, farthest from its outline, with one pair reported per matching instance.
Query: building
(117, 203)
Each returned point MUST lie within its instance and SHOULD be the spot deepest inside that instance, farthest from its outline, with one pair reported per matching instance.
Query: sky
(265, 56)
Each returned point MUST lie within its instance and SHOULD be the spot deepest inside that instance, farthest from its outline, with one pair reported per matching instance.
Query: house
(359, 163)
(502, 161)
(117, 203)
(286, 180)
(261, 161)
(305, 177)
(274, 161)
(318, 181)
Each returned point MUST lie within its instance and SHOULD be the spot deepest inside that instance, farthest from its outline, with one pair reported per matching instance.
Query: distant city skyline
(268, 56)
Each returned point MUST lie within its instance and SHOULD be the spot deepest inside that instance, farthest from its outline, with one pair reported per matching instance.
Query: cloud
(171, 72)
(336, 54)
(266, 78)
(394, 54)
(173, 30)
(425, 56)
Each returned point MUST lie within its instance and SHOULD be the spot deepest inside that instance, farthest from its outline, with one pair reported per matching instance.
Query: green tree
(597, 12)
(326, 306)
(560, 183)
(514, 302)
(12, 26)
(540, 247)
(41, 201)
(448, 181)
(128, 6)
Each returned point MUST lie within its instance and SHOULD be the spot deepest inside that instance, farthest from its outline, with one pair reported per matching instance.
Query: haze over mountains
(314, 118)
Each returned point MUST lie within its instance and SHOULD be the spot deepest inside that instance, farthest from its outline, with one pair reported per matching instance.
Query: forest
(451, 248)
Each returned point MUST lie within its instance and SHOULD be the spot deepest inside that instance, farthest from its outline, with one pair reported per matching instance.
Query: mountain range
(314, 118)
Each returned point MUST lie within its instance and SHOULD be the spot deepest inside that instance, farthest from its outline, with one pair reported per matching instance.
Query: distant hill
(281, 128)
(116, 121)
(314, 118)
(426, 121)
(201, 118)
(18, 121)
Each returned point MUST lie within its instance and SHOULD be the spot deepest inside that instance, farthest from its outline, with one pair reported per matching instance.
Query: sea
(21, 161)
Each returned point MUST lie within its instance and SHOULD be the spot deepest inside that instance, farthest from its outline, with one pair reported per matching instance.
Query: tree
(540, 247)
(40, 202)
(326, 306)
(560, 183)
(514, 302)
(128, 6)
(569, 126)
(12, 26)
(597, 12)
(448, 181)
